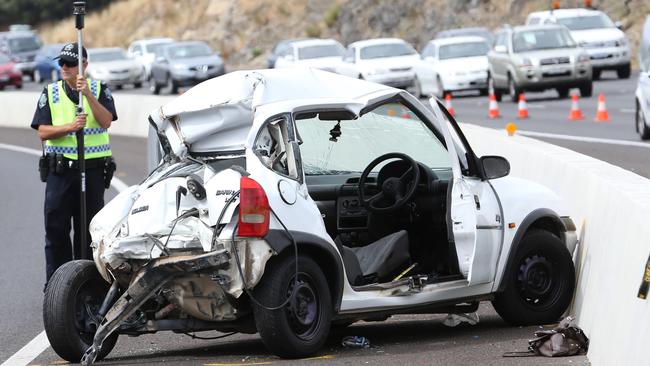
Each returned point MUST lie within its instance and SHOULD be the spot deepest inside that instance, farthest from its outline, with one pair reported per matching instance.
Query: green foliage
(313, 31)
(256, 52)
(34, 12)
(331, 15)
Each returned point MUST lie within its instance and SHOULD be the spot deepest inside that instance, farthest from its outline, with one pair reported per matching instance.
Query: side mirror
(495, 166)
(500, 48)
(618, 24)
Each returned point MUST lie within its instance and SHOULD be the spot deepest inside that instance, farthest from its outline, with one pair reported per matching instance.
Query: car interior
(388, 217)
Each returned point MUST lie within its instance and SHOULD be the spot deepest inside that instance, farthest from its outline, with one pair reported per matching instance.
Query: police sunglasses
(68, 63)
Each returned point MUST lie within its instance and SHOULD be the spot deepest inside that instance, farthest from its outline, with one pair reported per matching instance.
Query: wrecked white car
(288, 201)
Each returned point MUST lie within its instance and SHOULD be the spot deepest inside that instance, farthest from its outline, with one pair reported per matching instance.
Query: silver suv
(537, 58)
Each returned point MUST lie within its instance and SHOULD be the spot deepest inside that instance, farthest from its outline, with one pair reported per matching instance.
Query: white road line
(40, 343)
(585, 139)
(628, 110)
(31, 350)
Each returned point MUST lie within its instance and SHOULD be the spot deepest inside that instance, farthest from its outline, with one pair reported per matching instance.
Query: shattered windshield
(333, 147)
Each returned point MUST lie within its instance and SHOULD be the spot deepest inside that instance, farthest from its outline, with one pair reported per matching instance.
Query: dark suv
(21, 47)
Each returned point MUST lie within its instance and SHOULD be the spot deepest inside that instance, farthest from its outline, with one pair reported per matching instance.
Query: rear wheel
(300, 328)
(540, 284)
(641, 125)
(587, 90)
(595, 74)
(563, 93)
(514, 90)
(623, 72)
(72, 299)
(137, 85)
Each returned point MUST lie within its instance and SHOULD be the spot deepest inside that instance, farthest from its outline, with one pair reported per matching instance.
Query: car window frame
(292, 143)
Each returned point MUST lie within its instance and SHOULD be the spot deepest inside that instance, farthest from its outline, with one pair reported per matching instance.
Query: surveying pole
(79, 10)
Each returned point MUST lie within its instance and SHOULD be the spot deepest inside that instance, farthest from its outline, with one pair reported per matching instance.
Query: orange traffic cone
(576, 113)
(449, 106)
(522, 109)
(601, 113)
(493, 111)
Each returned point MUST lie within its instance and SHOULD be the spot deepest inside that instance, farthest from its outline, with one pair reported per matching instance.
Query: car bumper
(609, 58)
(121, 78)
(11, 79)
(552, 76)
(468, 81)
(396, 79)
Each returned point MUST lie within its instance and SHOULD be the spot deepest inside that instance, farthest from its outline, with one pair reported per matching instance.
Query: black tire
(641, 123)
(513, 90)
(298, 330)
(171, 84)
(563, 93)
(154, 88)
(74, 289)
(595, 74)
(545, 263)
(483, 92)
(624, 72)
(118, 87)
(19, 86)
(137, 85)
(587, 90)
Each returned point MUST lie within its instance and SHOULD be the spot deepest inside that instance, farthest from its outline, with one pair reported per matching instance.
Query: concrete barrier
(610, 205)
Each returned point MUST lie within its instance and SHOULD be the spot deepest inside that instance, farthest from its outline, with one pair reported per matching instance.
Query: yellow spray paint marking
(325, 357)
(391, 112)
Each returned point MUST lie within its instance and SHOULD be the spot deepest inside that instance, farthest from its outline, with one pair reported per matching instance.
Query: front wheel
(300, 328)
(624, 72)
(641, 125)
(563, 93)
(539, 286)
(587, 90)
(513, 90)
(72, 299)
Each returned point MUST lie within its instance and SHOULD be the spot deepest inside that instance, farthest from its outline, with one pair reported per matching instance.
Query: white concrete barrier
(610, 206)
(17, 110)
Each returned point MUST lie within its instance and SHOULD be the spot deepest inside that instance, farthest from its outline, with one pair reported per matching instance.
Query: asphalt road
(414, 340)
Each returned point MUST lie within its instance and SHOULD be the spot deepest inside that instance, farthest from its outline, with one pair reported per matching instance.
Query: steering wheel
(397, 190)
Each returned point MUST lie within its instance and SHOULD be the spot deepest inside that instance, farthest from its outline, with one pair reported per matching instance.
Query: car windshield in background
(387, 128)
(386, 50)
(329, 50)
(107, 56)
(588, 22)
(459, 50)
(4, 59)
(542, 39)
(51, 51)
(186, 51)
(24, 44)
(155, 47)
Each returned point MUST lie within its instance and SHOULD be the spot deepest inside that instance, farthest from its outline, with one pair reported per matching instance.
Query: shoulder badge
(42, 100)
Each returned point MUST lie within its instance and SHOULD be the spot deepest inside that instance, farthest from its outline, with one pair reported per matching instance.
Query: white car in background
(112, 66)
(458, 63)
(607, 46)
(388, 61)
(323, 54)
(642, 95)
(144, 50)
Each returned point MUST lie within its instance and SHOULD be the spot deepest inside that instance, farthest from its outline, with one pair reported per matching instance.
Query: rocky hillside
(245, 31)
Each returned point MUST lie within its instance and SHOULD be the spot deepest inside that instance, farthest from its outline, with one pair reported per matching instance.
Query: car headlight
(621, 42)
(525, 62)
(583, 57)
(180, 67)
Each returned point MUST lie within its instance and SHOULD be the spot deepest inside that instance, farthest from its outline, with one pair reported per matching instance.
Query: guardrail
(610, 206)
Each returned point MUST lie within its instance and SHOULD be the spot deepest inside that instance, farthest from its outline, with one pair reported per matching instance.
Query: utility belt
(58, 164)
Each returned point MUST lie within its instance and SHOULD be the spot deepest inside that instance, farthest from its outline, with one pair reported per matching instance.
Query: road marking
(326, 357)
(40, 343)
(628, 110)
(31, 350)
(585, 139)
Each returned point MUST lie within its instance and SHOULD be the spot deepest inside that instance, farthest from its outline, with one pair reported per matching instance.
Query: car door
(498, 59)
(474, 211)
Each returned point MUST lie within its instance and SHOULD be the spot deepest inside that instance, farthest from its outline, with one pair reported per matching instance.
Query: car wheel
(513, 90)
(118, 87)
(623, 72)
(539, 287)
(595, 74)
(300, 328)
(641, 125)
(483, 92)
(70, 305)
(417, 88)
(563, 93)
(137, 85)
(154, 88)
(174, 87)
(587, 90)
(37, 77)
(19, 86)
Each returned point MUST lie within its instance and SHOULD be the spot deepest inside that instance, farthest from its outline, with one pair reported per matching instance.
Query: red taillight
(253, 209)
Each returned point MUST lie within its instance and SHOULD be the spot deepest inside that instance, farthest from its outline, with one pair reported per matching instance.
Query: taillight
(253, 209)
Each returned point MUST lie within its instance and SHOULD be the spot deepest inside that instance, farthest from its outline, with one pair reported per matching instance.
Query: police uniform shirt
(42, 116)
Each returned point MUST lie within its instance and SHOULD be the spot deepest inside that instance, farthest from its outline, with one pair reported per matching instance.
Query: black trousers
(62, 213)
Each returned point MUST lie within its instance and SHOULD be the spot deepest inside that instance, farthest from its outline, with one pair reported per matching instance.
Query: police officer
(56, 121)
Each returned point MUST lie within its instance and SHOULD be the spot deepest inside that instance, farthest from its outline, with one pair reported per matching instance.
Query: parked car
(9, 73)
(607, 45)
(459, 63)
(21, 47)
(388, 61)
(467, 32)
(642, 95)
(324, 54)
(290, 200)
(280, 49)
(111, 66)
(184, 64)
(537, 58)
(45, 67)
(144, 50)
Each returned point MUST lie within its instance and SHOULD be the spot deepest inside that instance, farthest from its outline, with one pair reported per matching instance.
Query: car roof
(185, 43)
(314, 42)
(565, 13)
(376, 41)
(456, 40)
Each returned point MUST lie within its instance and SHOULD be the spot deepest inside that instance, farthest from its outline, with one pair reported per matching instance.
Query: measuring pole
(79, 10)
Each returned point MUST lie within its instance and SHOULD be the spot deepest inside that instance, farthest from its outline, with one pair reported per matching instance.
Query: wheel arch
(540, 219)
(321, 251)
